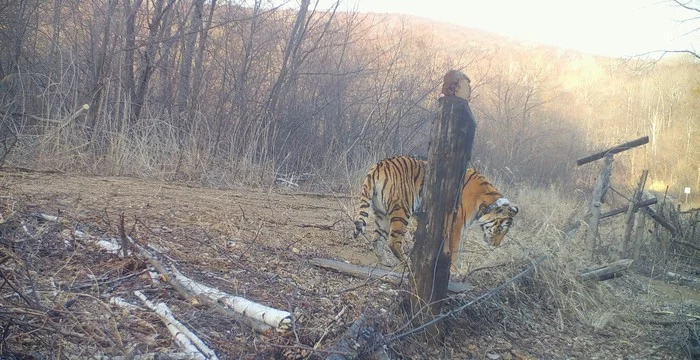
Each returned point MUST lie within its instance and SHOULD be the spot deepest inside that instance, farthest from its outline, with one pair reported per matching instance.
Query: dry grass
(554, 295)
(550, 303)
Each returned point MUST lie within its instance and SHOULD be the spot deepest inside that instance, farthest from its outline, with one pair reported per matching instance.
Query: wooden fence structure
(681, 228)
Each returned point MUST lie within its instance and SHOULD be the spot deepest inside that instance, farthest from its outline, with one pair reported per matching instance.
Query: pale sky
(605, 27)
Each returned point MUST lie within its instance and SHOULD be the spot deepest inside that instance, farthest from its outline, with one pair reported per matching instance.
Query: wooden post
(629, 223)
(452, 136)
(593, 216)
(639, 236)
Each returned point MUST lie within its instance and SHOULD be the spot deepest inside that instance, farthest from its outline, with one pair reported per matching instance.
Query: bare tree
(97, 85)
(694, 7)
(199, 60)
(187, 50)
(148, 60)
(131, 10)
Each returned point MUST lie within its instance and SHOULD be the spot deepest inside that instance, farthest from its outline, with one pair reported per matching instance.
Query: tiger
(393, 188)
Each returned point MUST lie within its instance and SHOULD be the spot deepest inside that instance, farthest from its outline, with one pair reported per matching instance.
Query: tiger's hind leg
(399, 223)
(382, 231)
(455, 241)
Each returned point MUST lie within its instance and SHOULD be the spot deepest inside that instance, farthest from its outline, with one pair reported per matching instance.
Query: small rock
(503, 344)
(493, 356)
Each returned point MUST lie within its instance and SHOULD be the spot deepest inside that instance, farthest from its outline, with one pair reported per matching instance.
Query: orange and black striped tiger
(393, 188)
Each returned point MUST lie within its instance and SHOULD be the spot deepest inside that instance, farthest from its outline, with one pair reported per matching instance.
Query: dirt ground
(255, 244)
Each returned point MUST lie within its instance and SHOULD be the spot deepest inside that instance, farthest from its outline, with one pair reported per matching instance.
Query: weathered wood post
(639, 237)
(452, 136)
(593, 215)
(634, 201)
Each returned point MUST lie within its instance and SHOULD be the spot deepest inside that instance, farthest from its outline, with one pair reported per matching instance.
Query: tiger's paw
(389, 261)
(384, 257)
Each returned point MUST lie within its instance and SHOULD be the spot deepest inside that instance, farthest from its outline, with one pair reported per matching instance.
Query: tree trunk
(130, 44)
(295, 39)
(97, 85)
(452, 137)
(199, 60)
(148, 61)
(188, 48)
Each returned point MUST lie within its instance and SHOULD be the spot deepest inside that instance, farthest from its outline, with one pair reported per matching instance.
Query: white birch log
(123, 303)
(185, 338)
(279, 319)
(108, 246)
(155, 277)
(48, 217)
(150, 356)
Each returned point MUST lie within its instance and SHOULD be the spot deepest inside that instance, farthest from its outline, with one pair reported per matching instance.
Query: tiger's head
(495, 220)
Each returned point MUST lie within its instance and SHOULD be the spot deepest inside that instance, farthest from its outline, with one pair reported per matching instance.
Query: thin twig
(395, 336)
(119, 279)
(122, 235)
(47, 328)
(321, 226)
(243, 214)
(8, 282)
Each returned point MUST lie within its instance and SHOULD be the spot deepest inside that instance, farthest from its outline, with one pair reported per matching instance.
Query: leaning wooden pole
(613, 150)
(593, 215)
(450, 151)
(631, 211)
(624, 209)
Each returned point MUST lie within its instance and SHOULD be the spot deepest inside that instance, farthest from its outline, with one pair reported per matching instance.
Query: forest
(243, 93)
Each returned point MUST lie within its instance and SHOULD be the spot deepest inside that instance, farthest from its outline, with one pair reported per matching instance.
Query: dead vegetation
(56, 286)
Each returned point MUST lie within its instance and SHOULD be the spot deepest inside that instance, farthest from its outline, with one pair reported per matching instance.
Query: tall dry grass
(554, 293)
(152, 148)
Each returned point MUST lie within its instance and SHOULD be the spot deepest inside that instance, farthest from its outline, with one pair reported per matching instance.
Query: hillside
(246, 89)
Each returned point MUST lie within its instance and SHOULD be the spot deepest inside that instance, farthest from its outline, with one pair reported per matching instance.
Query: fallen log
(665, 312)
(279, 319)
(186, 339)
(259, 318)
(364, 272)
(149, 356)
(684, 243)
(607, 272)
(683, 280)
